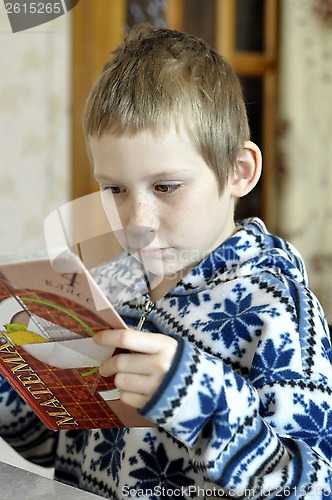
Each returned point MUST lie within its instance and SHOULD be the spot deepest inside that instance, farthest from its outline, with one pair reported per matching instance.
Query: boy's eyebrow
(163, 174)
(101, 178)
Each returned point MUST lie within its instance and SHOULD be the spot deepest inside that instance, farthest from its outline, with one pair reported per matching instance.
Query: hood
(251, 250)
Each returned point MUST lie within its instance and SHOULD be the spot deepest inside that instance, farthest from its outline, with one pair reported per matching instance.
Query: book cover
(48, 315)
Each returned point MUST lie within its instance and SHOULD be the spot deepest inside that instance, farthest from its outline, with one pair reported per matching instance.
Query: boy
(233, 368)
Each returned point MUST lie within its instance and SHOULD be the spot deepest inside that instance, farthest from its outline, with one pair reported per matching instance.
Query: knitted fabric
(245, 410)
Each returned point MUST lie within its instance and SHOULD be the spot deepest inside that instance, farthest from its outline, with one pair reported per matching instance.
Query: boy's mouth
(153, 252)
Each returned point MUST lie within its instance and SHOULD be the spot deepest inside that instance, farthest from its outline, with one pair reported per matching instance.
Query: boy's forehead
(173, 127)
(146, 139)
(165, 154)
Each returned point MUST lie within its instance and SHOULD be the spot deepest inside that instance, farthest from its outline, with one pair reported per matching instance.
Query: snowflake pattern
(110, 452)
(183, 304)
(246, 330)
(157, 470)
(76, 441)
(236, 320)
(272, 363)
(314, 425)
(209, 402)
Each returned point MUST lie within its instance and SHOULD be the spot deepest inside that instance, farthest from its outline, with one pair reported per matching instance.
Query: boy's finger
(132, 340)
(133, 399)
(107, 337)
(136, 363)
(142, 384)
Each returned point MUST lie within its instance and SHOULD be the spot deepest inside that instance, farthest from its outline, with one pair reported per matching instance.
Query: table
(19, 484)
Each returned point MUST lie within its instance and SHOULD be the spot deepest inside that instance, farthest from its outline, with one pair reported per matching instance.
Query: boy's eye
(166, 188)
(114, 189)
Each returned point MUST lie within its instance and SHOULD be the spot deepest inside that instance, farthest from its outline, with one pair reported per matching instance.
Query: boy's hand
(140, 371)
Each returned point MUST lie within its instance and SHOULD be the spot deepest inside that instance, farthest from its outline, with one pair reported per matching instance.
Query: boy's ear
(247, 171)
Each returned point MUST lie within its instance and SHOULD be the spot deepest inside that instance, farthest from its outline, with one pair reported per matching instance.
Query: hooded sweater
(245, 410)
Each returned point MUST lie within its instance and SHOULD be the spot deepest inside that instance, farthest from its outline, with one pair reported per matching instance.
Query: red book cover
(48, 315)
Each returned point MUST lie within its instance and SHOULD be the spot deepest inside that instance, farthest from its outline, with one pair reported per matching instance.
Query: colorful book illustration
(48, 315)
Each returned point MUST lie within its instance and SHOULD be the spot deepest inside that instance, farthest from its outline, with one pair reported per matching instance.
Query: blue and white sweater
(246, 408)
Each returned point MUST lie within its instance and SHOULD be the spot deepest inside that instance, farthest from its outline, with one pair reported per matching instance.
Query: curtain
(305, 138)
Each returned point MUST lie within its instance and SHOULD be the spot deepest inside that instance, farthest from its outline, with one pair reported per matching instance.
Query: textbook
(49, 311)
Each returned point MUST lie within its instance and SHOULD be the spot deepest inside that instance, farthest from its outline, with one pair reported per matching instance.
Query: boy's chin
(168, 267)
(171, 270)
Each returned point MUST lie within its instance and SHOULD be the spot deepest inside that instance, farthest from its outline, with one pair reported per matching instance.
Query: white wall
(34, 130)
(34, 140)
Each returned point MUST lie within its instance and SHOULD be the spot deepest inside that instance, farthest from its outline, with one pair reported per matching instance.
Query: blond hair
(157, 77)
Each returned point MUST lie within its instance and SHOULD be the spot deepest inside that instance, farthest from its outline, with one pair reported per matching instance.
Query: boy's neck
(168, 282)
(159, 291)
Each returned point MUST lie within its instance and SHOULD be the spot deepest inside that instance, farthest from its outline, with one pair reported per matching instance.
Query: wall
(34, 130)
(305, 146)
(34, 140)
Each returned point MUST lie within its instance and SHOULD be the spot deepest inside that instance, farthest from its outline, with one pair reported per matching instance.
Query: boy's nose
(142, 214)
(141, 224)
(135, 224)
(136, 238)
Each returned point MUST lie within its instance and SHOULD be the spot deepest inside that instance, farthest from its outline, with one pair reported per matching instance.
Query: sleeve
(23, 430)
(267, 434)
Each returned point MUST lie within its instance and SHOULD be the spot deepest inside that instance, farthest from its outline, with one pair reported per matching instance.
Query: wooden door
(245, 32)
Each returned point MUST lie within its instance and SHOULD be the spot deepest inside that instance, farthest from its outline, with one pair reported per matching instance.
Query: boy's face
(166, 196)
